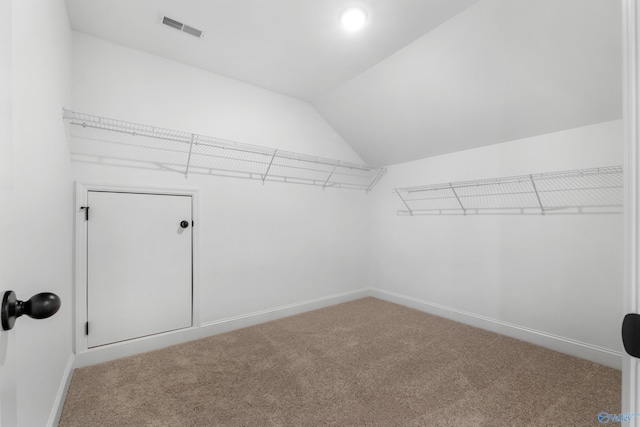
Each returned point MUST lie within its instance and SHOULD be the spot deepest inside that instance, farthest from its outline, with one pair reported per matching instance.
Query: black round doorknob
(184, 224)
(39, 306)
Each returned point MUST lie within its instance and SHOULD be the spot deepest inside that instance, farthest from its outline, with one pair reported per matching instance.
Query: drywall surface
(37, 248)
(127, 84)
(259, 246)
(498, 71)
(561, 275)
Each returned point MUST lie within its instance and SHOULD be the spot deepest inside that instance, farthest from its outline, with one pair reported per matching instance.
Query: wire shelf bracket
(582, 191)
(95, 139)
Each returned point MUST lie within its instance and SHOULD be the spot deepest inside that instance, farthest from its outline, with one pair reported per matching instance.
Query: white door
(8, 376)
(139, 265)
(631, 37)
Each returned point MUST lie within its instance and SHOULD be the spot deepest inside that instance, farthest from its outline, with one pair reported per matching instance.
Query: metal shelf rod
(217, 143)
(457, 198)
(604, 171)
(275, 152)
(573, 189)
(403, 201)
(328, 178)
(202, 153)
(557, 208)
(186, 172)
(533, 183)
(169, 150)
(515, 193)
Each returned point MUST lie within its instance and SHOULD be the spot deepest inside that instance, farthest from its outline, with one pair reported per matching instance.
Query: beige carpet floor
(361, 363)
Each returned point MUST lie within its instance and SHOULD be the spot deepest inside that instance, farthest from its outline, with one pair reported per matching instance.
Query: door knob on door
(184, 224)
(631, 334)
(39, 306)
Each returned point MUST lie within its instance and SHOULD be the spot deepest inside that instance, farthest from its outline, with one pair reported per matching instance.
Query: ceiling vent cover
(182, 27)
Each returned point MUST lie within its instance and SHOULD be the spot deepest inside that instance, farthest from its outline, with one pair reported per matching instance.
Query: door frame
(82, 189)
(631, 97)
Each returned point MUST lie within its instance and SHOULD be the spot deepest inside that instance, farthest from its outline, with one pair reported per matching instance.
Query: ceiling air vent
(182, 27)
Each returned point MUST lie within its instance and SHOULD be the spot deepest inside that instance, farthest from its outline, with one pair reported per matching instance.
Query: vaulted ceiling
(499, 71)
(422, 78)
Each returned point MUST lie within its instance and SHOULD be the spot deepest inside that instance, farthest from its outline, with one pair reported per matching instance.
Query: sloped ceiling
(424, 77)
(295, 47)
(499, 71)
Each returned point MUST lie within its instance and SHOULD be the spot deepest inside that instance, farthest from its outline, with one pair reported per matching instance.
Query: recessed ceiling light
(353, 18)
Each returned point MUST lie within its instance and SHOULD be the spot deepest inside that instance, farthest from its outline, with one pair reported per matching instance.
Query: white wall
(260, 247)
(562, 275)
(266, 246)
(128, 84)
(36, 198)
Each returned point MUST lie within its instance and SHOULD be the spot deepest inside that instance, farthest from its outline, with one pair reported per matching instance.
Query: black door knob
(39, 306)
(631, 334)
(184, 224)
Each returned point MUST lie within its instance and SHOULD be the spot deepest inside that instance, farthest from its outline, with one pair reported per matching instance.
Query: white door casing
(631, 43)
(8, 375)
(151, 339)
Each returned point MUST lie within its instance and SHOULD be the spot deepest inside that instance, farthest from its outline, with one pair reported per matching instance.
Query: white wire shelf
(596, 190)
(102, 140)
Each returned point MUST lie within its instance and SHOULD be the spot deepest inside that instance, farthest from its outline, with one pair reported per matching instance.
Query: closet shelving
(103, 140)
(595, 190)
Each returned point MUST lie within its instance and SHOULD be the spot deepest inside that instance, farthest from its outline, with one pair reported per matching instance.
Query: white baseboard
(142, 345)
(56, 410)
(601, 355)
(255, 318)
